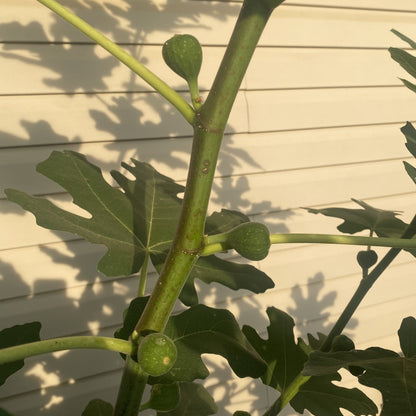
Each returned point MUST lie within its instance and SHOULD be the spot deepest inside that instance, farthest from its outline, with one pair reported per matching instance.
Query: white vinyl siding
(317, 122)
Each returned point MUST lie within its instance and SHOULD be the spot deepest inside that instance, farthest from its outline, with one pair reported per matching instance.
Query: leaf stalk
(143, 276)
(19, 352)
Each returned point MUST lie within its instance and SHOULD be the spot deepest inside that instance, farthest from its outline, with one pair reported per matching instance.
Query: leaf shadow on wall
(81, 99)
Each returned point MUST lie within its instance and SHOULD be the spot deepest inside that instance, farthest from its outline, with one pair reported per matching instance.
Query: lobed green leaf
(140, 219)
(390, 373)
(285, 360)
(383, 223)
(111, 222)
(284, 357)
(323, 398)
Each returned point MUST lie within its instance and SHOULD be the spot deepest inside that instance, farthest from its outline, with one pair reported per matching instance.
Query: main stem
(208, 132)
(209, 127)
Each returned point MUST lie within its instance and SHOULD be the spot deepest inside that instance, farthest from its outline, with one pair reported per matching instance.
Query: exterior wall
(316, 123)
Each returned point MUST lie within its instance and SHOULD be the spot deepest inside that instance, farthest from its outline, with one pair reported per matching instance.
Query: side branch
(153, 80)
(218, 242)
(19, 352)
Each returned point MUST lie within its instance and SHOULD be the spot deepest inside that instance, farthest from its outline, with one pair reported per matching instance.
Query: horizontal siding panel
(320, 264)
(302, 26)
(76, 310)
(398, 5)
(281, 110)
(54, 267)
(390, 342)
(317, 314)
(123, 21)
(383, 320)
(145, 23)
(57, 119)
(18, 165)
(241, 154)
(287, 190)
(77, 395)
(278, 68)
(405, 5)
(52, 69)
(252, 195)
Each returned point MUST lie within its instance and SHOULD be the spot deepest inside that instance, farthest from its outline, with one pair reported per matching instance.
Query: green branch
(153, 80)
(209, 127)
(218, 242)
(287, 395)
(363, 288)
(210, 122)
(129, 397)
(19, 352)
(365, 285)
(342, 239)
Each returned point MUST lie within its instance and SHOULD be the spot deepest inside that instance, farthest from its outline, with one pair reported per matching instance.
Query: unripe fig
(251, 240)
(367, 258)
(342, 343)
(183, 55)
(156, 354)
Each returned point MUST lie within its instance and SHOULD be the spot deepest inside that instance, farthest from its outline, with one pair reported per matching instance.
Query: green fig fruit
(156, 354)
(342, 343)
(183, 55)
(367, 258)
(251, 240)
